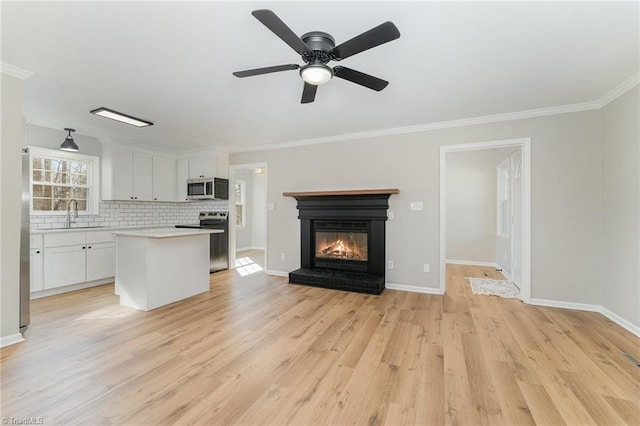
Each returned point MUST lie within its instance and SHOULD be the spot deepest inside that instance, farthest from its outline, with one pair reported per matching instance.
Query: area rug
(491, 287)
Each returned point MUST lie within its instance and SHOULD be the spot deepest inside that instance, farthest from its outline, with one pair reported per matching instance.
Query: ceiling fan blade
(308, 93)
(360, 78)
(279, 28)
(381, 34)
(266, 70)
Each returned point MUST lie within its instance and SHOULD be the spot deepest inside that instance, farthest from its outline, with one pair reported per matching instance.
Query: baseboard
(566, 305)
(276, 273)
(413, 288)
(471, 263)
(627, 325)
(503, 272)
(68, 288)
(11, 339)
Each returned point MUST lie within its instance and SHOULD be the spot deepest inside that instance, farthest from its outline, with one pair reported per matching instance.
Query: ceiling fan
(317, 48)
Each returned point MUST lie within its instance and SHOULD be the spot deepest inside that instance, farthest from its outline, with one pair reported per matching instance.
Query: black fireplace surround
(342, 239)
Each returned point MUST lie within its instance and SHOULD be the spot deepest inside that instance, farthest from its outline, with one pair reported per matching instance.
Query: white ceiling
(171, 63)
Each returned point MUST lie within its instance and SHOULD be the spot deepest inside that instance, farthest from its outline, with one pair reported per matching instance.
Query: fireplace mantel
(343, 192)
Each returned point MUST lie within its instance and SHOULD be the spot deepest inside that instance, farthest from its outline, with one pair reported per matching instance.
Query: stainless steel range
(219, 243)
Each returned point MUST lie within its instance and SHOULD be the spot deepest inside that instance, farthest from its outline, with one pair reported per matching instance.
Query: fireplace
(342, 239)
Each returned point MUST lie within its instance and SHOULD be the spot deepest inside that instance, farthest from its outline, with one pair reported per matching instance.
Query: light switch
(416, 205)
(391, 215)
(271, 206)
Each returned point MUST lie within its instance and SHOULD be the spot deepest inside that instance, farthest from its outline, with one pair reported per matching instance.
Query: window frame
(243, 202)
(93, 179)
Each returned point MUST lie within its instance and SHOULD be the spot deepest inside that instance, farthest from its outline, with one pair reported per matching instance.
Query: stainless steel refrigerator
(25, 279)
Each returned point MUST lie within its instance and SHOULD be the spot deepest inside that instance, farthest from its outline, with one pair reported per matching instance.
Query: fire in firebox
(341, 245)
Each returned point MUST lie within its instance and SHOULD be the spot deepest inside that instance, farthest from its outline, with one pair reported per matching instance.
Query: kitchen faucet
(75, 212)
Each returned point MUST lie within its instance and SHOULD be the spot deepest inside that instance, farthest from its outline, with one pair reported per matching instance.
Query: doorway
(519, 248)
(248, 218)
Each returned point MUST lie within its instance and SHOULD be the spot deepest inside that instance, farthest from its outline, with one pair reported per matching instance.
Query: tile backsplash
(135, 213)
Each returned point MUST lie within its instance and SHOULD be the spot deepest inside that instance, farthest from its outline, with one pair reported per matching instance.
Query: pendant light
(68, 144)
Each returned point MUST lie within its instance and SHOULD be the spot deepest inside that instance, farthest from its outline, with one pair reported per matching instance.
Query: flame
(340, 249)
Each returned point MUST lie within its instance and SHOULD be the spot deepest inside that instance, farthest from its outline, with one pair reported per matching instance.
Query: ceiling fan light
(316, 74)
(69, 144)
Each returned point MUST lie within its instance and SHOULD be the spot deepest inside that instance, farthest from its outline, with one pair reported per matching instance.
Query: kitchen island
(159, 266)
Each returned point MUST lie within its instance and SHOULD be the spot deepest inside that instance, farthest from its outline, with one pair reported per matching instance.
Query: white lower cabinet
(77, 257)
(101, 261)
(36, 269)
(64, 265)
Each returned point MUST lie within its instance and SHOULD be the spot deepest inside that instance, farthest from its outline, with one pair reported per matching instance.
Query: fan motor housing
(320, 44)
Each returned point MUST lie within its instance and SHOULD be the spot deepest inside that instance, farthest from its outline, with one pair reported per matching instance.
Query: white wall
(471, 205)
(566, 198)
(52, 138)
(10, 204)
(620, 248)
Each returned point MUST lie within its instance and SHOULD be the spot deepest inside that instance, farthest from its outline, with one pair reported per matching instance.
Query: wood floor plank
(256, 350)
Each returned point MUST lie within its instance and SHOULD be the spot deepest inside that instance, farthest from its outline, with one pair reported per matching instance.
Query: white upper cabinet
(182, 174)
(142, 176)
(134, 175)
(203, 167)
(118, 165)
(164, 179)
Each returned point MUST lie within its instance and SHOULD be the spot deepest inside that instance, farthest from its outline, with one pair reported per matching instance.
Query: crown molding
(608, 97)
(620, 90)
(14, 71)
(540, 112)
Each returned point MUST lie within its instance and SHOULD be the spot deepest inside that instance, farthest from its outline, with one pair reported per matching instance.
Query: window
(58, 177)
(503, 199)
(239, 197)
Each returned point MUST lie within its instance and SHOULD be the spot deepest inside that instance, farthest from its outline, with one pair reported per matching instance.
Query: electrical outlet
(391, 216)
(426, 268)
(390, 264)
(271, 206)
(416, 205)
(283, 256)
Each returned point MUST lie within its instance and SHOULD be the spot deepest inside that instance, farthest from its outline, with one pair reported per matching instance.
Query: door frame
(525, 148)
(232, 211)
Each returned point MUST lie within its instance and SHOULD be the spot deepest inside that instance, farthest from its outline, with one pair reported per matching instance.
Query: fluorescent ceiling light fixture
(316, 74)
(118, 116)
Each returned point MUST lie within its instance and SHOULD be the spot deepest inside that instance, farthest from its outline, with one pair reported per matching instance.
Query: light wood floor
(257, 350)
(256, 256)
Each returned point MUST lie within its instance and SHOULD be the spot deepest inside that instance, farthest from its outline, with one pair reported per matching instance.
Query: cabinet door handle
(83, 247)
(155, 198)
(132, 198)
(37, 251)
(89, 246)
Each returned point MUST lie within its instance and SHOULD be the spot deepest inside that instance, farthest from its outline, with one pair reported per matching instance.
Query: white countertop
(94, 228)
(166, 232)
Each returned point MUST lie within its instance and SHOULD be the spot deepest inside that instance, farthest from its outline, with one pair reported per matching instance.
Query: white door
(503, 216)
(516, 217)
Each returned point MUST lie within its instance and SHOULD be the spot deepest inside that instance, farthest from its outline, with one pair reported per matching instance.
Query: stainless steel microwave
(208, 189)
